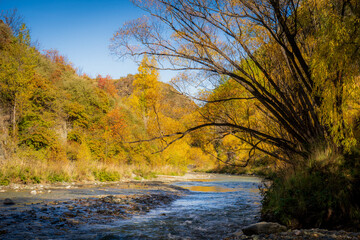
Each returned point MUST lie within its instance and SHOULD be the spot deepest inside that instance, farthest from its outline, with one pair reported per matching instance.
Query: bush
(4, 180)
(104, 175)
(311, 197)
(144, 173)
(56, 177)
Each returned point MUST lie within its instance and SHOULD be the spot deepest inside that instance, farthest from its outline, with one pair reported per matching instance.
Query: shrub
(4, 180)
(312, 197)
(144, 173)
(57, 177)
(104, 175)
(35, 179)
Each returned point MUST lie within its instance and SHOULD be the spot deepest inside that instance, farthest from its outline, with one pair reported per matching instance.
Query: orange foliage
(55, 57)
(107, 84)
(115, 123)
(61, 61)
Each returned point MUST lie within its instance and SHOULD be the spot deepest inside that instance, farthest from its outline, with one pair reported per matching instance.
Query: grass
(32, 170)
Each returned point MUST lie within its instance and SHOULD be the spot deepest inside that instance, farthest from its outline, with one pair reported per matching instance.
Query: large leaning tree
(295, 62)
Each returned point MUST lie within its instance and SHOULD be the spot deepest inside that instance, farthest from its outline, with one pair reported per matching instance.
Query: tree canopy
(276, 53)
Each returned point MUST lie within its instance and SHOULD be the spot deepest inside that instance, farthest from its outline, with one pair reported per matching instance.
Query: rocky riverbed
(32, 211)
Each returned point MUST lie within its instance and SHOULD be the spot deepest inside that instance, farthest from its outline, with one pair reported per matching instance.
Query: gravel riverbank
(63, 212)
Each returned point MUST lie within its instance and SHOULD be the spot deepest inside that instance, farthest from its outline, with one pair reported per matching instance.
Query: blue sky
(80, 30)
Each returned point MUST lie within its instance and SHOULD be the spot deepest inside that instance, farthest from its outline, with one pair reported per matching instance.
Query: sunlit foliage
(78, 128)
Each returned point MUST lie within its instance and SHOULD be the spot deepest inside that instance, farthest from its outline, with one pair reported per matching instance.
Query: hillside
(170, 96)
(56, 125)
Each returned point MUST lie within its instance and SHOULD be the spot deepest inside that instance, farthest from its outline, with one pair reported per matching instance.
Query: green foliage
(4, 180)
(65, 127)
(75, 135)
(309, 197)
(24, 175)
(145, 173)
(76, 114)
(38, 140)
(57, 177)
(104, 175)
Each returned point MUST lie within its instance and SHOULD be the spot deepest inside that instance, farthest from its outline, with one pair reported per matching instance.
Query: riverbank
(126, 183)
(64, 209)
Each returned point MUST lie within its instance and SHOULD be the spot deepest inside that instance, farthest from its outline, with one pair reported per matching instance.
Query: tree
(107, 84)
(17, 75)
(12, 19)
(274, 50)
(146, 88)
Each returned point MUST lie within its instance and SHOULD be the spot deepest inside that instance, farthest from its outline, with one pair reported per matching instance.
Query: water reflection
(210, 189)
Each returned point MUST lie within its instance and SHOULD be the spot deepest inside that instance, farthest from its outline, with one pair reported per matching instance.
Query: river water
(212, 208)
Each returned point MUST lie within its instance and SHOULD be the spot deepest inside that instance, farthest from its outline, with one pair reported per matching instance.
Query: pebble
(33, 192)
(110, 237)
(72, 221)
(8, 201)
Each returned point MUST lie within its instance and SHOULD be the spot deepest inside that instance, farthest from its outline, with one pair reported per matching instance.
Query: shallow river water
(213, 208)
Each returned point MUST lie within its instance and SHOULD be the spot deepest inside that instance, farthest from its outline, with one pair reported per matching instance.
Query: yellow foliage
(83, 154)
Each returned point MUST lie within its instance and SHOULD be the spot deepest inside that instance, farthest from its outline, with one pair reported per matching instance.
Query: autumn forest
(269, 88)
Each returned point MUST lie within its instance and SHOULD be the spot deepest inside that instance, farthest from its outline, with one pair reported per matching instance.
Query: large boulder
(263, 228)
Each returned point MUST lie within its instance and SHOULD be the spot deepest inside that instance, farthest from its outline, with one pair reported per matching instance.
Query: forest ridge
(59, 126)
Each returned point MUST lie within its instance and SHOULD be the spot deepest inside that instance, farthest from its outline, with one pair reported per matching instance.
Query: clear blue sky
(80, 30)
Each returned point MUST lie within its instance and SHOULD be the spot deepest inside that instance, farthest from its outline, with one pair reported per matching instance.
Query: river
(211, 208)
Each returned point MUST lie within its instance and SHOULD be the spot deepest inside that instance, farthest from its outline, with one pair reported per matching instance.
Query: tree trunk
(13, 119)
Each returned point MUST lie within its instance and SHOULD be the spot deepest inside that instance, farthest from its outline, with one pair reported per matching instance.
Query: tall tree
(275, 50)
(12, 19)
(146, 88)
(17, 75)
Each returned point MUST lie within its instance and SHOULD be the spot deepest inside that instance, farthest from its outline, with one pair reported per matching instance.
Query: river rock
(263, 228)
(110, 237)
(8, 201)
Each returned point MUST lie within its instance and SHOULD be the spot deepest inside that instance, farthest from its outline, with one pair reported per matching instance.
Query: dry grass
(34, 170)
